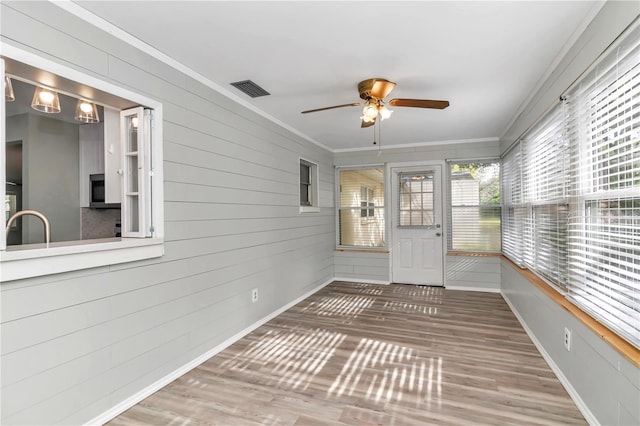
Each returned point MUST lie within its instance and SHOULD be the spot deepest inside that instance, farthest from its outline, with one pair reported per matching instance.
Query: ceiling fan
(372, 92)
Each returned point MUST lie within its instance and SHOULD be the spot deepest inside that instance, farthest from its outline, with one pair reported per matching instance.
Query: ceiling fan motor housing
(375, 88)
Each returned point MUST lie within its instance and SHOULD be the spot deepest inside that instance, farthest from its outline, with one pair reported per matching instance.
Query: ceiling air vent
(250, 88)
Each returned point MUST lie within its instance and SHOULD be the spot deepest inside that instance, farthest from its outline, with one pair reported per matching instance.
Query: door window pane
(416, 199)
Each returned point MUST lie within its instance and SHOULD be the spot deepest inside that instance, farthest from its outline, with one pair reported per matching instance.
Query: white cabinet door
(135, 139)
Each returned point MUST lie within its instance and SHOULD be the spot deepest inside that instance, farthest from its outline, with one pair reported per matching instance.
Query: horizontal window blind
(604, 234)
(475, 210)
(546, 185)
(514, 209)
(361, 221)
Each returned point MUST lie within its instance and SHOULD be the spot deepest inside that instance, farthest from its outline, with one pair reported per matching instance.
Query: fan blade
(419, 103)
(367, 123)
(332, 107)
(381, 88)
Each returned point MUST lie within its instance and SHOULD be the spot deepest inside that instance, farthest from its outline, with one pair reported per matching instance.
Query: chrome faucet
(43, 218)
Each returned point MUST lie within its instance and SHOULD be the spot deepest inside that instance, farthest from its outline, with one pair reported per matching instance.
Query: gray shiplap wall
(76, 344)
(474, 273)
(362, 266)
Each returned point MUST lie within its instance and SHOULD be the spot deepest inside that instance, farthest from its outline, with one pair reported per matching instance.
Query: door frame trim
(389, 167)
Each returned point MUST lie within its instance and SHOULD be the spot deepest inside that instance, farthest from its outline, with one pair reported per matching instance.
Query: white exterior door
(417, 250)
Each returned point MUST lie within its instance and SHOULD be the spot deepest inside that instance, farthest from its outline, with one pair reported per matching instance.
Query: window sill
(309, 209)
(474, 254)
(362, 250)
(33, 260)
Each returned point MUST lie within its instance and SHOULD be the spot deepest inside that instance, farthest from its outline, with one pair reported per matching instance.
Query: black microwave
(97, 193)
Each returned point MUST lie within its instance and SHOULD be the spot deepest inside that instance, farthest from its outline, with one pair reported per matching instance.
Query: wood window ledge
(354, 250)
(473, 254)
(625, 348)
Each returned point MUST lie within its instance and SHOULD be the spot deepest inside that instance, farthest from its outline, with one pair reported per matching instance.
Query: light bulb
(46, 97)
(385, 112)
(86, 107)
(370, 111)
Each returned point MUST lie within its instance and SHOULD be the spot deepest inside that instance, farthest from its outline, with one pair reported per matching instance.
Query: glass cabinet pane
(132, 222)
(132, 133)
(132, 171)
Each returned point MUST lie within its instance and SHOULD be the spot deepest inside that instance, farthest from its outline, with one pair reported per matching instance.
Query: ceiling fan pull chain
(379, 137)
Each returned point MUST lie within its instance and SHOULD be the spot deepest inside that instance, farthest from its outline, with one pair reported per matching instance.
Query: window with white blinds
(361, 221)
(474, 213)
(545, 174)
(513, 207)
(571, 193)
(604, 234)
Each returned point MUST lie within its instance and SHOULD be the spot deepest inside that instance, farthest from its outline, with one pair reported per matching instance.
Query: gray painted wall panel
(362, 266)
(473, 272)
(178, 230)
(87, 340)
(16, 25)
(175, 172)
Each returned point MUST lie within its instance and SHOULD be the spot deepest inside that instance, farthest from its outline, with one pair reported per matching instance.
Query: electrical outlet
(567, 339)
(254, 295)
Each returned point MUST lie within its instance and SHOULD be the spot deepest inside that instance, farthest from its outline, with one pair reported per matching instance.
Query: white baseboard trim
(480, 289)
(359, 280)
(588, 415)
(159, 384)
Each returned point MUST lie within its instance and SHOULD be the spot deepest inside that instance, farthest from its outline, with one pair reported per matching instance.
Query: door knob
(438, 234)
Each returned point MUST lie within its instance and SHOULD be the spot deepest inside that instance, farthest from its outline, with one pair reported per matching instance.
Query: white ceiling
(486, 58)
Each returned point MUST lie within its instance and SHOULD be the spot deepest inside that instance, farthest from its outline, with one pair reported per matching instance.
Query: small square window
(305, 184)
(308, 187)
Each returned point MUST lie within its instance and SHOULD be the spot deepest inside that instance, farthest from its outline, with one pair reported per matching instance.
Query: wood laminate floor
(359, 354)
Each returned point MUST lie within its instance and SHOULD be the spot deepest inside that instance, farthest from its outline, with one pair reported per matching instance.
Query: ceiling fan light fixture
(8, 90)
(86, 112)
(45, 100)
